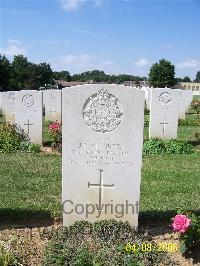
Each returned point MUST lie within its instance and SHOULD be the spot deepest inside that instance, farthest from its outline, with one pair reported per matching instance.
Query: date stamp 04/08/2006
(149, 247)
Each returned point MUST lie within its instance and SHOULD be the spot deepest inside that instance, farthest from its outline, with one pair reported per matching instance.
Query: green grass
(196, 97)
(31, 185)
(169, 183)
(184, 132)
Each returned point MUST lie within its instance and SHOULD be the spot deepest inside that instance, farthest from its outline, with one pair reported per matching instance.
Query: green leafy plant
(99, 244)
(47, 123)
(159, 146)
(194, 120)
(146, 111)
(188, 226)
(14, 139)
(9, 255)
(197, 136)
(11, 137)
(26, 146)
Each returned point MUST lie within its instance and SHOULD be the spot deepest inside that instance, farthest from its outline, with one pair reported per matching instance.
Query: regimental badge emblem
(28, 100)
(165, 98)
(102, 112)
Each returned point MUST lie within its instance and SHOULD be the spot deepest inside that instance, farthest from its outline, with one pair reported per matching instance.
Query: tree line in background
(22, 74)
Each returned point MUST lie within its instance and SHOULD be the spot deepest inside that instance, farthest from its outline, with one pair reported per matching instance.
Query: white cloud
(14, 48)
(77, 61)
(71, 4)
(189, 64)
(83, 62)
(14, 42)
(142, 62)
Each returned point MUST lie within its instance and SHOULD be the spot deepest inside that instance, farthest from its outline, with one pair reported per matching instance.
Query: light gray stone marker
(102, 152)
(53, 105)
(9, 106)
(182, 103)
(28, 107)
(147, 91)
(163, 113)
(188, 94)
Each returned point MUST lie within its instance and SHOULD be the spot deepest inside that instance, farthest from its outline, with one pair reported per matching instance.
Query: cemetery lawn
(31, 186)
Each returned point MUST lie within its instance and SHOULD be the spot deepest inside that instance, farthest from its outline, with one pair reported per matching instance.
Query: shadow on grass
(47, 143)
(159, 218)
(194, 142)
(23, 218)
(193, 254)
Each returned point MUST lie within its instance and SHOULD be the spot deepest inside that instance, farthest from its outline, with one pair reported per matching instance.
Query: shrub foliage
(196, 106)
(192, 121)
(102, 243)
(172, 146)
(14, 139)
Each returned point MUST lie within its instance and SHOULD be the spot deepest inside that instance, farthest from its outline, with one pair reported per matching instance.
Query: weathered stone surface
(28, 107)
(163, 113)
(53, 105)
(9, 106)
(102, 152)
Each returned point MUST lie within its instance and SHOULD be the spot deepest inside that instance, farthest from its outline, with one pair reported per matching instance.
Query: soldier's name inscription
(100, 153)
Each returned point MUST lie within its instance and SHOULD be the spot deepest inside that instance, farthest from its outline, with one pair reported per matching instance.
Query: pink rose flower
(181, 223)
(55, 126)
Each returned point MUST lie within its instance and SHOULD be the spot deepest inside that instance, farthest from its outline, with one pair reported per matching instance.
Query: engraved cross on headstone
(101, 185)
(164, 126)
(28, 124)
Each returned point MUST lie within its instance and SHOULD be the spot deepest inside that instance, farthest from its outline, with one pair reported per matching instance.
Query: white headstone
(9, 106)
(163, 113)
(189, 97)
(182, 103)
(147, 91)
(102, 152)
(53, 105)
(28, 108)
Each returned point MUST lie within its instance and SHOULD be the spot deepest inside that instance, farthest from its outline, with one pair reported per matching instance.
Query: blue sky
(125, 36)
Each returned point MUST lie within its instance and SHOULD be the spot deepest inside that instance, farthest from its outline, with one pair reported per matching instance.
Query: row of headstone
(102, 147)
(184, 99)
(102, 144)
(166, 106)
(25, 108)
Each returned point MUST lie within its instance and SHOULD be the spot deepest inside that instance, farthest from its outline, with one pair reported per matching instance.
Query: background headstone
(102, 151)
(28, 108)
(189, 97)
(182, 103)
(53, 105)
(147, 91)
(9, 106)
(163, 113)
